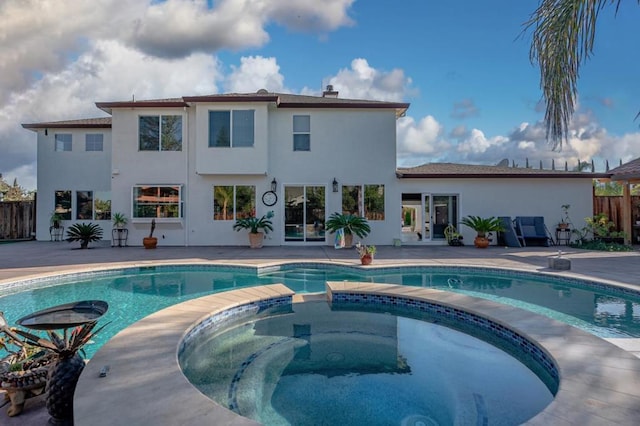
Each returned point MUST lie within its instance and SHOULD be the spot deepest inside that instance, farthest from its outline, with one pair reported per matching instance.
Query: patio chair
(508, 236)
(533, 230)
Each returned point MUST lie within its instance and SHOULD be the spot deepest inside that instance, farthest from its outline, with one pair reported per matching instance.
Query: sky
(463, 65)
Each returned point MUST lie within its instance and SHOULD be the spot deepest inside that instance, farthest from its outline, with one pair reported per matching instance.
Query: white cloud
(253, 74)
(362, 81)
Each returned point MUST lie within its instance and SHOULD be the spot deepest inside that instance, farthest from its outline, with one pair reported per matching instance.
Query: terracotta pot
(255, 240)
(149, 242)
(481, 242)
(366, 259)
(348, 240)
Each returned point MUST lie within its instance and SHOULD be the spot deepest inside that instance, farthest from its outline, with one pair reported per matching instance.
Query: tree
(13, 192)
(563, 38)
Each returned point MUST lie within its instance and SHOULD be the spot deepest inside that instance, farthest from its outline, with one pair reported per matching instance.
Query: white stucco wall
(75, 170)
(512, 197)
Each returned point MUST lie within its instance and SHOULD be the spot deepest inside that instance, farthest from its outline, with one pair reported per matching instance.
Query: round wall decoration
(269, 198)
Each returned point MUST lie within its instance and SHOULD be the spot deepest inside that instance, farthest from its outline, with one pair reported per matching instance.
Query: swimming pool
(134, 293)
(308, 364)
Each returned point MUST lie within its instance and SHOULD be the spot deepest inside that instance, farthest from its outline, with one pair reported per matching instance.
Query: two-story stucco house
(197, 163)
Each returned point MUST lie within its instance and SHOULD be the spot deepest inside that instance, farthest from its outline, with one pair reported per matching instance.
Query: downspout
(187, 152)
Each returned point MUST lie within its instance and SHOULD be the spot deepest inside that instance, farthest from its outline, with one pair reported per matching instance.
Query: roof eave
(578, 175)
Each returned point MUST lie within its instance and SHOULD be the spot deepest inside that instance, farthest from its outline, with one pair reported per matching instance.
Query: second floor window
(302, 133)
(160, 133)
(93, 142)
(231, 129)
(63, 141)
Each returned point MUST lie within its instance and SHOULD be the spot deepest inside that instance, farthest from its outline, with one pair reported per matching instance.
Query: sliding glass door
(425, 216)
(304, 213)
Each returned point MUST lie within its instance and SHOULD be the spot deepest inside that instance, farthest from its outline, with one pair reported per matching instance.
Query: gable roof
(281, 100)
(627, 171)
(463, 171)
(86, 123)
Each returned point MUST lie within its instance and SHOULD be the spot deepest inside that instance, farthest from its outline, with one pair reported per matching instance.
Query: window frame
(233, 127)
(364, 202)
(233, 209)
(94, 143)
(66, 145)
(305, 131)
(159, 127)
(179, 204)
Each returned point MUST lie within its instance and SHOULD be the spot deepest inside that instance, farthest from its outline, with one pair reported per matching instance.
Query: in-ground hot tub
(364, 361)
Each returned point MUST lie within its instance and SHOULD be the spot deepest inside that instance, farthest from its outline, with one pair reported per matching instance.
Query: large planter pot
(149, 242)
(366, 259)
(348, 240)
(481, 242)
(256, 239)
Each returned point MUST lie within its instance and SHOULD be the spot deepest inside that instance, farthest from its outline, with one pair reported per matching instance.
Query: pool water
(136, 293)
(313, 365)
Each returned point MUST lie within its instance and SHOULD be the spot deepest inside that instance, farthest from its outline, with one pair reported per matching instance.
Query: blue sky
(462, 64)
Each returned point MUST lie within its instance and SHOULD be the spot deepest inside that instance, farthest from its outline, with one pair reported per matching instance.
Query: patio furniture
(533, 231)
(508, 236)
(452, 236)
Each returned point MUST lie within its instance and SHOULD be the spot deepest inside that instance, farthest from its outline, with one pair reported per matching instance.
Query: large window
(84, 205)
(363, 200)
(233, 202)
(63, 204)
(157, 201)
(231, 129)
(160, 133)
(301, 133)
(93, 142)
(63, 141)
(89, 205)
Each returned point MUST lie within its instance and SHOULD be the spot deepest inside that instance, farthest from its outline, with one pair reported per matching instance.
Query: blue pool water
(311, 365)
(135, 293)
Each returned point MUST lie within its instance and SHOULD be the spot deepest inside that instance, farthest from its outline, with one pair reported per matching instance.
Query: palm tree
(563, 38)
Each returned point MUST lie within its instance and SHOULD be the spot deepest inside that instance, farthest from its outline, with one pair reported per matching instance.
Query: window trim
(363, 201)
(234, 213)
(231, 113)
(64, 142)
(301, 133)
(160, 117)
(180, 203)
(86, 142)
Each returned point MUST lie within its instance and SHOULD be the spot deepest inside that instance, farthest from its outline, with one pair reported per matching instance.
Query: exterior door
(304, 213)
(425, 216)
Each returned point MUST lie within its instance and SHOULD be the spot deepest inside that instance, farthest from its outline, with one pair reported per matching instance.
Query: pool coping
(598, 380)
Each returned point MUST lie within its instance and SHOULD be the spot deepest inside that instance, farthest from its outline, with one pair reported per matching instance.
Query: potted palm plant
(483, 227)
(150, 242)
(351, 224)
(257, 227)
(85, 233)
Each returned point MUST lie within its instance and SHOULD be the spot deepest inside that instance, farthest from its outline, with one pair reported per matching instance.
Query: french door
(304, 213)
(426, 215)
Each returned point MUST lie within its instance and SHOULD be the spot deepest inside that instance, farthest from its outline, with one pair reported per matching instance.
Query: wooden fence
(17, 220)
(611, 206)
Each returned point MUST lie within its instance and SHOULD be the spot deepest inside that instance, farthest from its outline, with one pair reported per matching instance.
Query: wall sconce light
(274, 185)
(46, 132)
(335, 185)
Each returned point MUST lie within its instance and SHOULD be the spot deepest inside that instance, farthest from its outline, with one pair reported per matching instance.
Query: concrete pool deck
(27, 259)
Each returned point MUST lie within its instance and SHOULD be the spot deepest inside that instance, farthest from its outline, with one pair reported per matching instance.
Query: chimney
(330, 93)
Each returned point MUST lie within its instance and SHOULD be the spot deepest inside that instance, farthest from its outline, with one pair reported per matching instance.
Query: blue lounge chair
(532, 230)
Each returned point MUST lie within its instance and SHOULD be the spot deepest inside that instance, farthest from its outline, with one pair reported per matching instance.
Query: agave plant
(85, 233)
(67, 367)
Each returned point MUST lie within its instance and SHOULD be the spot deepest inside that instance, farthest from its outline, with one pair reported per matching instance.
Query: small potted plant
(351, 224)
(119, 220)
(150, 242)
(257, 227)
(564, 220)
(55, 220)
(483, 227)
(366, 253)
